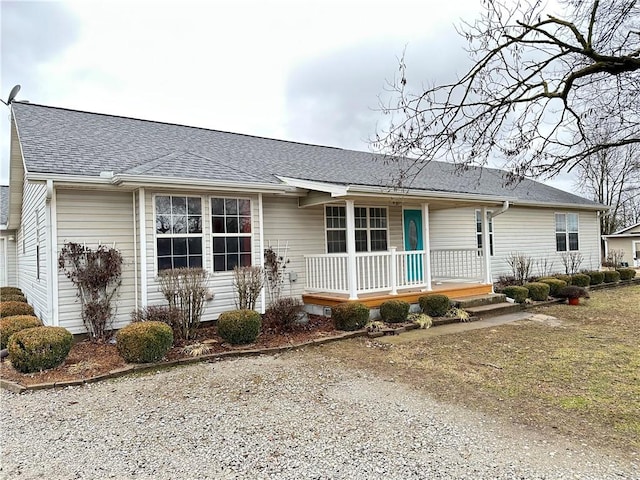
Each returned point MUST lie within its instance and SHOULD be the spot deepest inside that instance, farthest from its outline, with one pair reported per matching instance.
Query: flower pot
(574, 301)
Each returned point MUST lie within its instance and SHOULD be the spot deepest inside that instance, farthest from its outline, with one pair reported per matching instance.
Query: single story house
(170, 195)
(626, 241)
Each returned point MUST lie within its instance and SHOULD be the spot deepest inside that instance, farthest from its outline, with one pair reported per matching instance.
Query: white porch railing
(449, 264)
(388, 271)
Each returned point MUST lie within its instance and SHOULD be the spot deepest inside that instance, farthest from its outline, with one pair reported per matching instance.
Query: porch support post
(427, 246)
(486, 249)
(393, 271)
(351, 250)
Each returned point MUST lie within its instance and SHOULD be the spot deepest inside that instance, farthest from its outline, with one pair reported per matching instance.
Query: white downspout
(52, 252)
(143, 246)
(505, 207)
(135, 251)
(263, 296)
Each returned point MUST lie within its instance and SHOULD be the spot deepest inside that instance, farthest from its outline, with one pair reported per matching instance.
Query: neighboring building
(7, 241)
(169, 195)
(626, 241)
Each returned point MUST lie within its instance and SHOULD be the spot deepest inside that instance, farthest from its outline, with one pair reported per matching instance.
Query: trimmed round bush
(555, 284)
(580, 280)
(394, 311)
(14, 297)
(611, 276)
(239, 327)
(350, 316)
(626, 273)
(538, 291)
(10, 309)
(596, 277)
(11, 325)
(39, 348)
(519, 294)
(10, 291)
(144, 342)
(573, 291)
(566, 278)
(436, 305)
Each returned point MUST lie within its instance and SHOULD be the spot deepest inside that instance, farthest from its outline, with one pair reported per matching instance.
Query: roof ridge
(22, 102)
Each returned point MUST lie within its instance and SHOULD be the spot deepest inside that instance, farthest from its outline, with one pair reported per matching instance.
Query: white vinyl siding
(300, 230)
(93, 218)
(32, 256)
(532, 231)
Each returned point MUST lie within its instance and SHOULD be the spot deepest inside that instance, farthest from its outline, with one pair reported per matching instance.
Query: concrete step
(494, 309)
(480, 300)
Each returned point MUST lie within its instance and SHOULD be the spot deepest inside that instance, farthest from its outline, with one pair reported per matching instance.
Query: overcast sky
(308, 71)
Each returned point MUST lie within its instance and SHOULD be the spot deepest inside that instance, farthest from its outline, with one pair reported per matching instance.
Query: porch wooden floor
(373, 300)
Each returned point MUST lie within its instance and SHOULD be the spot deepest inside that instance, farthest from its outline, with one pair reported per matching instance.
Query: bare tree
(527, 99)
(612, 177)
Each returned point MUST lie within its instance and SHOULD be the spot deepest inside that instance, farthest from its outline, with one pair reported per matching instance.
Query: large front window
(370, 229)
(231, 232)
(566, 232)
(178, 232)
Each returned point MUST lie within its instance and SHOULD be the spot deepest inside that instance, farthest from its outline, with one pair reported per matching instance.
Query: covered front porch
(405, 272)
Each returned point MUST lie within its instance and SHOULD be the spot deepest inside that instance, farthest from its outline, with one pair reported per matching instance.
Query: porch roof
(63, 142)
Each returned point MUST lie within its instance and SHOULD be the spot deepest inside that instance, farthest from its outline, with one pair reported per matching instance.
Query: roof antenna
(12, 95)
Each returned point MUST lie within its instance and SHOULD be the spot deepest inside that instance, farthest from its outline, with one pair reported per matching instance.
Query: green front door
(412, 220)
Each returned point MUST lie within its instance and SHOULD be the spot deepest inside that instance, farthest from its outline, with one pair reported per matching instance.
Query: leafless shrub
(185, 289)
(614, 258)
(520, 266)
(248, 282)
(571, 262)
(544, 267)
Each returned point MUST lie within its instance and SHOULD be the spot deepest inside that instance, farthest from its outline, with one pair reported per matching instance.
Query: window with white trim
(178, 231)
(371, 227)
(479, 232)
(231, 233)
(567, 232)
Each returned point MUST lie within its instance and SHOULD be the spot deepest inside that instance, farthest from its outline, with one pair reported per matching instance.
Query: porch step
(480, 300)
(494, 309)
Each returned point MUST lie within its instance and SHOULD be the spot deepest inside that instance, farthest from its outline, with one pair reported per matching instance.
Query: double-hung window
(566, 232)
(178, 231)
(479, 232)
(231, 232)
(336, 222)
(371, 228)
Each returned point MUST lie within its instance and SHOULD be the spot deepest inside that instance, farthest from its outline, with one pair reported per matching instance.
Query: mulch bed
(89, 359)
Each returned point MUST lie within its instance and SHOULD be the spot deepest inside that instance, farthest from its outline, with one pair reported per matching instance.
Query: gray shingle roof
(61, 141)
(4, 204)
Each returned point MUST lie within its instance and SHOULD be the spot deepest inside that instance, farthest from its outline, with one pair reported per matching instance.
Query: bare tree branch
(527, 103)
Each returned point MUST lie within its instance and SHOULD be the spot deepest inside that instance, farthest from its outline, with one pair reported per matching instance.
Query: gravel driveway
(293, 416)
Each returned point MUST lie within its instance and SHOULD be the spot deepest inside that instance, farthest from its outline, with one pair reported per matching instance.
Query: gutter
(138, 181)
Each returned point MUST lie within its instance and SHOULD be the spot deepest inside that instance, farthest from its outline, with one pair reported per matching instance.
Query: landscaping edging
(141, 367)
